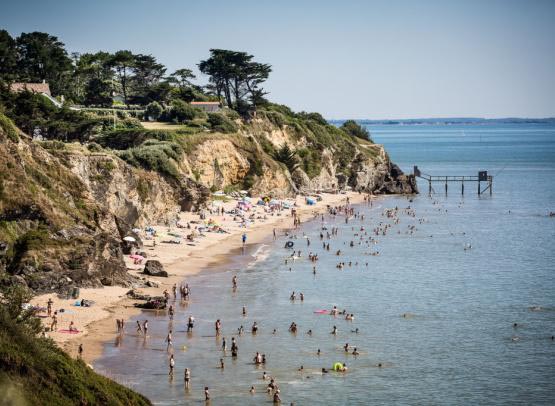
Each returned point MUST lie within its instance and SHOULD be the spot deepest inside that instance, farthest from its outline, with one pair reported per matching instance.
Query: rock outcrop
(154, 268)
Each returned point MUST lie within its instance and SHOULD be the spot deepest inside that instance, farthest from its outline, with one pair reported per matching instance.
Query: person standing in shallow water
(187, 377)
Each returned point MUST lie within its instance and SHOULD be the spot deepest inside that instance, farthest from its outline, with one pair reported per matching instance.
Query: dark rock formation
(154, 268)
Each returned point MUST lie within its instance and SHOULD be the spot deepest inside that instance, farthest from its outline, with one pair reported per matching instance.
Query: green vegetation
(356, 130)
(236, 78)
(219, 122)
(34, 371)
(8, 128)
(154, 155)
(288, 157)
(154, 110)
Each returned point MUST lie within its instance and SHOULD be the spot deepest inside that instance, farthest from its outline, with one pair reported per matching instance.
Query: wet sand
(97, 324)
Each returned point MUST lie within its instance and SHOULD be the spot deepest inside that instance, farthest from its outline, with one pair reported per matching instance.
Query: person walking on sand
(54, 323)
(187, 377)
(234, 281)
(139, 328)
(171, 312)
(80, 351)
(49, 306)
(190, 324)
(145, 327)
(174, 288)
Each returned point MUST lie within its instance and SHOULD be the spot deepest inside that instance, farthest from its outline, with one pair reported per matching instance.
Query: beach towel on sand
(69, 331)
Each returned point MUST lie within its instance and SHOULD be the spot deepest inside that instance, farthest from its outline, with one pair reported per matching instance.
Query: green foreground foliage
(34, 371)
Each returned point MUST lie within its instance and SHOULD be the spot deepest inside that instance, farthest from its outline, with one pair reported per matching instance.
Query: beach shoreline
(97, 324)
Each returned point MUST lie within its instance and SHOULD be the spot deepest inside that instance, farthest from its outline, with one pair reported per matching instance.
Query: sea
(458, 307)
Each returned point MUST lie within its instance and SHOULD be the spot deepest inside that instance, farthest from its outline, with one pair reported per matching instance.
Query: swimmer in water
(251, 390)
(222, 363)
(346, 347)
(319, 352)
(355, 352)
(334, 331)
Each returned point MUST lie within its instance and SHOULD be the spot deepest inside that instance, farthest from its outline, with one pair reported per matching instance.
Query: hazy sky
(345, 59)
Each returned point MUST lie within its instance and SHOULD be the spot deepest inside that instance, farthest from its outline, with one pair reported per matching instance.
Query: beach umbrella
(129, 239)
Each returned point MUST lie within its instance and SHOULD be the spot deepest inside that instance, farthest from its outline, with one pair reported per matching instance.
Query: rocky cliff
(65, 207)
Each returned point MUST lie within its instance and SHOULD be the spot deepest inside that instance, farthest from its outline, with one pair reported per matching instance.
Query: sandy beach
(97, 324)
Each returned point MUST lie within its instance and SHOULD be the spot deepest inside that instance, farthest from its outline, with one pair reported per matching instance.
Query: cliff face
(223, 163)
(64, 208)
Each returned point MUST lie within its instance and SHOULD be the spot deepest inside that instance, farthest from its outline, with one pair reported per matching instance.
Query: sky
(344, 59)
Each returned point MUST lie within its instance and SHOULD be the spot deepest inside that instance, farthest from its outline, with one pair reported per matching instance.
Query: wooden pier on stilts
(481, 178)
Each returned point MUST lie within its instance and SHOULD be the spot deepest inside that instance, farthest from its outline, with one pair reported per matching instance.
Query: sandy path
(97, 323)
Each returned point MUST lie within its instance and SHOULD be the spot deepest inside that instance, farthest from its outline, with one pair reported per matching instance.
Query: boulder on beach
(154, 268)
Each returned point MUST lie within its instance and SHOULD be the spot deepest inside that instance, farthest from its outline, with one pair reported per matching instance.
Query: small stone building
(209, 107)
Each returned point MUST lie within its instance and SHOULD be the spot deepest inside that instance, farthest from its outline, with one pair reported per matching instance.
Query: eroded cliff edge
(64, 207)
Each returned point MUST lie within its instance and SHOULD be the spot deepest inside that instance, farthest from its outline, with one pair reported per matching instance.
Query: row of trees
(235, 78)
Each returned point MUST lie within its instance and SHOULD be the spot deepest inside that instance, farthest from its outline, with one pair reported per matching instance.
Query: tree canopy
(236, 78)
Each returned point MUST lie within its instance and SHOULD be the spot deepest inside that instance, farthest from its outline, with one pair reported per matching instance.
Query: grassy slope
(33, 371)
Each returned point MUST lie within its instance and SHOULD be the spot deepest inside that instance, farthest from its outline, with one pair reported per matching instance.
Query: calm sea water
(458, 345)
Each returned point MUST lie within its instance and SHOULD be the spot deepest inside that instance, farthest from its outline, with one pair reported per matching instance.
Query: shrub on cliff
(8, 128)
(153, 155)
(221, 123)
(354, 129)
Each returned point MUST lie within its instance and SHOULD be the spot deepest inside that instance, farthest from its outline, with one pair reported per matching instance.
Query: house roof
(205, 103)
(32, 87)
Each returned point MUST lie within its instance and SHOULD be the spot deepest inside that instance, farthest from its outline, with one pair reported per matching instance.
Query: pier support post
(490, 187)
(445, 187)
(430, 187)
(462, 188)
(478, 188)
